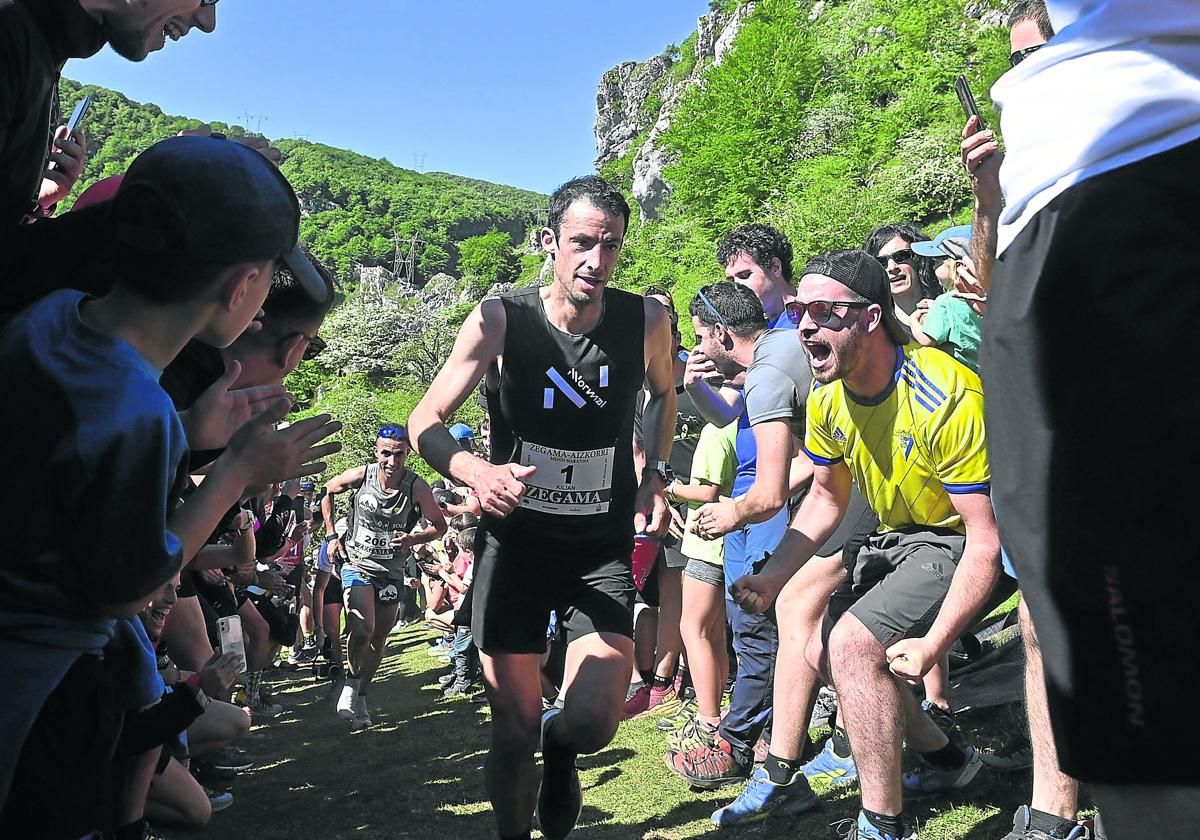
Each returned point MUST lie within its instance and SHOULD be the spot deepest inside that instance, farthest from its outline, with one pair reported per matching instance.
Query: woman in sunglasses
(911, 275)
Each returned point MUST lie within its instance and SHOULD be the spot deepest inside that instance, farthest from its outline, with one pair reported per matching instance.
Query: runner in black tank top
(561, 501)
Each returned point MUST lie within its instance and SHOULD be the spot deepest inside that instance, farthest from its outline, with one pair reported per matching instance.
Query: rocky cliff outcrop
(634, 97)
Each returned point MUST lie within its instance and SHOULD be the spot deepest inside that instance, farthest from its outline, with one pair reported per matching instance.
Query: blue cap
(461, 432)
(952, 242)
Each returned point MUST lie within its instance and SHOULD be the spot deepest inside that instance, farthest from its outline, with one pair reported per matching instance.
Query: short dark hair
(287, 302)
(595, 189)
(656, 291)
(762, 243)
(1034, 10)
(925, 267)
(738, 306)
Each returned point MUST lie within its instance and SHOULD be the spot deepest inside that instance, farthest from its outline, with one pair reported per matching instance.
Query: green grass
(418, 774)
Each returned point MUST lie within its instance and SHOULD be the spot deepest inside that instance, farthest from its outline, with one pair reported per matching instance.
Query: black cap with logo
(862, 273)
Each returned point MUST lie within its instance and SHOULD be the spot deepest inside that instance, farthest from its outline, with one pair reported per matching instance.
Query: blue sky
(501, 91)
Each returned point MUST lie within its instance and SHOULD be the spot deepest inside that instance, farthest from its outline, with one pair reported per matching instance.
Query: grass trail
(418, 772)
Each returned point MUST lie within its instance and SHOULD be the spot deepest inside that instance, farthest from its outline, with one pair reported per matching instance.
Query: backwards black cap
(210, 199)
(862, 273)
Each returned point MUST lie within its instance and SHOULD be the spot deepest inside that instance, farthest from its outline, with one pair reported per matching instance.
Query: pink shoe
(638, 703)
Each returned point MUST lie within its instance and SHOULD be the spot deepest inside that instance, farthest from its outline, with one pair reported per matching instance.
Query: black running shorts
(516, 586)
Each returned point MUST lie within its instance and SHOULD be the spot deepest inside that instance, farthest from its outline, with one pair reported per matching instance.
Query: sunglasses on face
(316, 346)
(1020, 55)
(393, 433)
(899, 257)
(819, 310)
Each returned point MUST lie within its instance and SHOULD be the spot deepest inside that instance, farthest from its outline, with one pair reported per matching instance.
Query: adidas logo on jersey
(570, 387)
(839, 435)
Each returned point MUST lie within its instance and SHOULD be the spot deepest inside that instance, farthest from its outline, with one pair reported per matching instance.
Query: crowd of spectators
(817, 567)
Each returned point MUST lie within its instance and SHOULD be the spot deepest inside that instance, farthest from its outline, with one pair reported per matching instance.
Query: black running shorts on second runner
(516, 586)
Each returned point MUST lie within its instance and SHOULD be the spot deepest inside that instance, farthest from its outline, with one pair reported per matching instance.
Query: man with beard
(564, 364)
(905, 424)
(388, 502)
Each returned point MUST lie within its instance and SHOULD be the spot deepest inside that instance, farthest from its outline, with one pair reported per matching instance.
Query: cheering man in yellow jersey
(904, 423)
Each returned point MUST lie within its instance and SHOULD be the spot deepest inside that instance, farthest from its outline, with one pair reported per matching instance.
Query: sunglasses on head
(819, 310)
(901, 256)
(709, 306)
(1020, 55)
(393, 433)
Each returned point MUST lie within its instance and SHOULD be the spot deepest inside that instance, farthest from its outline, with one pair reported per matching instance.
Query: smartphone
(230, 631)
(967, 100)
(76, 121)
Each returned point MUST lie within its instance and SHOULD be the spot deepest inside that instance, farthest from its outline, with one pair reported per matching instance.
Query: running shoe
(648, 701)
(439, 649)
(824, 708)
(308, 652)
(709, 768)
(220, 800)
(346, 700)
(763, 798)
(691, 737)
(944, 720)
(831, 768)
(446, 679)
(634, 688)
(265, 705)
(229, 758)
(927, 780)
(675, 722)
(560, 797)
(671, 707)
(864, 830)
(1023, 829)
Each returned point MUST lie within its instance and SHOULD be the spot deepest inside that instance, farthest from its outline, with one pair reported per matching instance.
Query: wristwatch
(202, 698)
(662, 468)
(330, 537)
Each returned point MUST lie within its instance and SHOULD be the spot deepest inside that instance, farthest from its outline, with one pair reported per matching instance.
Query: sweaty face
(154, 614)
(833, 349)
(390, 454)
(902, 275)
(585, 250)
(140, 27)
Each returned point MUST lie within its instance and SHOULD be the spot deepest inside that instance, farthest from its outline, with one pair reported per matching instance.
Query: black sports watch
(663, 469)
(330, 537)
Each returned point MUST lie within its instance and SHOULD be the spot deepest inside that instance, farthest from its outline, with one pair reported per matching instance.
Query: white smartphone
(230, 630)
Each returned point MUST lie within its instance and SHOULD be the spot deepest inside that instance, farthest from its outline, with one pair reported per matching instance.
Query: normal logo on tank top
(574, 388)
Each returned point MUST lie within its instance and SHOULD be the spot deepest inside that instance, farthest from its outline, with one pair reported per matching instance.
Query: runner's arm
(479, 343)
(431, 511)
(351, 479)
(658, 419)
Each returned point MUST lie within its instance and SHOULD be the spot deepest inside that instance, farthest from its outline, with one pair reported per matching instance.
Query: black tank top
(565, 403)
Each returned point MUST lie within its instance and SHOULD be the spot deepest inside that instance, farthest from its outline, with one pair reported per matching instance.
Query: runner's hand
(402, 542)
(218, 674)
(500, 487)
(651, 511)
(912, 659)
(336, 551)
(265, 454)
(755, 593)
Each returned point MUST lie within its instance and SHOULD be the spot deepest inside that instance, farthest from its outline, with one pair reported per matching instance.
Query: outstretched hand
(223, 409)
(266, 455)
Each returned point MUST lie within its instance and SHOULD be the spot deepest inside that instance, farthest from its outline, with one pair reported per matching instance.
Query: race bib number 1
(568, 483)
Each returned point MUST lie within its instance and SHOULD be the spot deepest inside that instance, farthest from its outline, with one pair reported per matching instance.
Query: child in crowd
(954, 321)
(196, 228)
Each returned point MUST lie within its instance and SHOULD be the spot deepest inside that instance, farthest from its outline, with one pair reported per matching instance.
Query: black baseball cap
(212, 200)
(860, 272)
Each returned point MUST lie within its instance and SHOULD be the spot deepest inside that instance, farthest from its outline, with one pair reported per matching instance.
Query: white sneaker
(348, 700)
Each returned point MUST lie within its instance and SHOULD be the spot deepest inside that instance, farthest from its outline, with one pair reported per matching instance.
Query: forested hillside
(824, 118)
(386, 339)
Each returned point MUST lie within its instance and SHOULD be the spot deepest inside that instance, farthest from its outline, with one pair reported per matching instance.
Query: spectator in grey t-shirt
(732, 331)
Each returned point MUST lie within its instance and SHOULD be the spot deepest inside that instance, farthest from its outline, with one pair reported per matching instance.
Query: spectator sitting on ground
(198, 225)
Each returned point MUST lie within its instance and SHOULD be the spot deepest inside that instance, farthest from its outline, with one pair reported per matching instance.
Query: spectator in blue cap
(954, 321)
(462, 433)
